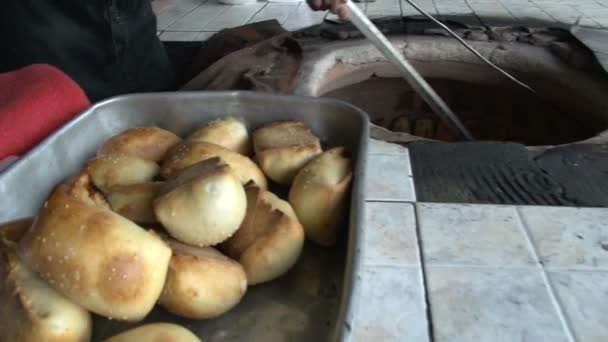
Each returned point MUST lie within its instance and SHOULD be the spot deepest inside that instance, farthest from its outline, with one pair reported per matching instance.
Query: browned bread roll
(228, 132)
(155, 332)
(32, 311)
(134, 201)
(283, 148)
(203, 204)
(111, 170)
(189, 153)
(202, 283)
(95, 257)
(319, 195)
(81, 187)
(150, 143)
(13, 231)
(270, 239)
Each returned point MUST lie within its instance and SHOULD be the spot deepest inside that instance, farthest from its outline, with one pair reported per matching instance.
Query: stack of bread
(187, 224)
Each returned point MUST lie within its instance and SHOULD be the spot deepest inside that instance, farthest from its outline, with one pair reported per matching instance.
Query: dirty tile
(303, 17)
(235, 16)
(569, 237)
(383, 147)
(583, 296)
(484, 235)
(277, 11)
(389, 178)
(171, 36)
(491, 305)
(391, 306)
(177, 9)
(390, 234)
(197, 19)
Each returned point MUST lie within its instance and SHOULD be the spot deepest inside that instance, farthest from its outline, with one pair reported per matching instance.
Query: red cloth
(35, 101)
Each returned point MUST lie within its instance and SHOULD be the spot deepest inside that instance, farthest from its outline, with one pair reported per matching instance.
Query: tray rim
(348, 303)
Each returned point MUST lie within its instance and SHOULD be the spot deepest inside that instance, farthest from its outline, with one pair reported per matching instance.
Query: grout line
(180, 18)
(228, 7)
(381, 265)
(425, 287)
(485, 267)
(573, 269)
(552, 292)
(389, 200)
(256, 13)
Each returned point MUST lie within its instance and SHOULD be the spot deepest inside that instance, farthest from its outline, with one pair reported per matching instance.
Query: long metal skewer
(416, 81)
(469, 47)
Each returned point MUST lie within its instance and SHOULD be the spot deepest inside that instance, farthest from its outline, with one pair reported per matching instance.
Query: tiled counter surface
(459, 272)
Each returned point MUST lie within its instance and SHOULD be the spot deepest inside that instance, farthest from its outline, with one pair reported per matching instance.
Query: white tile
(235, 16)
(480, 235)
(383, 147)
(172, 12)
(391, 306)
(172, 36)
(584, 296)
(199, 18)
(491, 305)
(279, 12)
(390, 234)
(389, 178)
(569, 237)
(303, 17)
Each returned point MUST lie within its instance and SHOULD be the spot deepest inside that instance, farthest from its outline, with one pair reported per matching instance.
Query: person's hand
(337, 7)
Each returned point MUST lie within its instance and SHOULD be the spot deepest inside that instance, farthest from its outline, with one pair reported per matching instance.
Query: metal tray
(313, 301)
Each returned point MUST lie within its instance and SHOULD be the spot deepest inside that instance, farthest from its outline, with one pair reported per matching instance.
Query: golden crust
(202, 283)
(319, 195)
(227, 132)
(111, 170)
(150, 143)
(82, 188)
(13, 231)
(135, 201)
(270, 239)
(189, 153)
(203, 204)
(155, 332)
(32, 311)
(283, 148)
(95, 257)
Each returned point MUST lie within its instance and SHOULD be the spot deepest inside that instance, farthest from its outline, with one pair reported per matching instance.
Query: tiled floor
(459, 272)
(198, 19)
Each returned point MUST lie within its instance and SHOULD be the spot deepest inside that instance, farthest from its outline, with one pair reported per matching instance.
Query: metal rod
(416, 81)
(469, 47)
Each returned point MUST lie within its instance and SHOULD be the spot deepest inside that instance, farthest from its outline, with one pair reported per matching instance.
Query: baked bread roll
(32, 311)
(189, 153)
(150, 143)
(13, 231)
(82, 188)
(283, 148)
(111, 170)
(134, 201)
(319, 195)
(270, 239)
(156, 332)
(202, 283)
(227, 132)
(203, 204)
(95, 257)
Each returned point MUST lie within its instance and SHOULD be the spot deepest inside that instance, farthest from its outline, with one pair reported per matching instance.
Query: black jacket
(109, 47)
